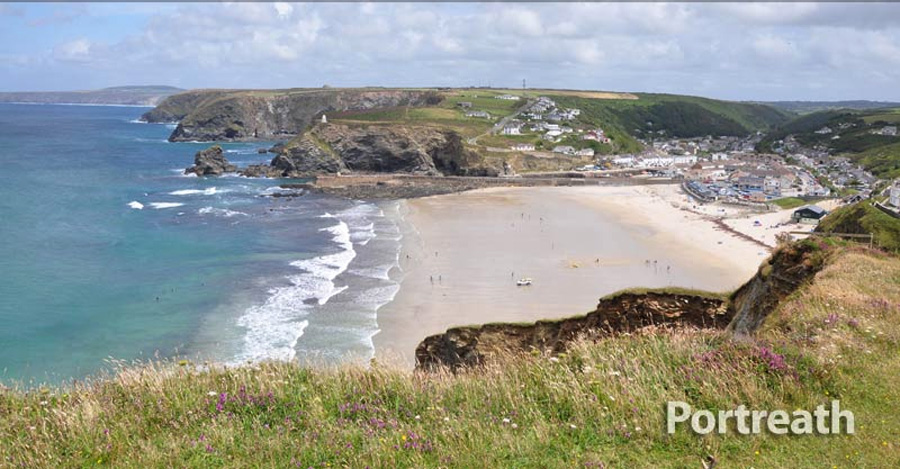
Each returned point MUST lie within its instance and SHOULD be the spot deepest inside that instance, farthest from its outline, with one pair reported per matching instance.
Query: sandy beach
(463, 253)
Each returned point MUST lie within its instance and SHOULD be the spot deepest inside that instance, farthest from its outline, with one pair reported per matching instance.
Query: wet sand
(462, 254)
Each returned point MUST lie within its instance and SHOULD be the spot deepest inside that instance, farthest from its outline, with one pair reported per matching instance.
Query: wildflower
(446, 419)
(514, 426)
(614, 373)
(554, 359)
(572, 426)
(505, 420)
(418, 417)
(212, 394)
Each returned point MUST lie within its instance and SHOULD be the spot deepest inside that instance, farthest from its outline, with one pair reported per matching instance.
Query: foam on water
(221, 212)
(209, 191)
(162, 205)
(136, 205)
(274, 328)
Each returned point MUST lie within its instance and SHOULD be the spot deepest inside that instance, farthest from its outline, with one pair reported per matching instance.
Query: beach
(463, 253)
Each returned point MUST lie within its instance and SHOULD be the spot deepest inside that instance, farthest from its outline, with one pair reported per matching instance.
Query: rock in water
(210, 162)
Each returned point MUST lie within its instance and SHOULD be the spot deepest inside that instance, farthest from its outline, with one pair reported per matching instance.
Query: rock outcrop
(210, 162)
(625, 312)
(741, 314)
(330, 149)
(229, 115)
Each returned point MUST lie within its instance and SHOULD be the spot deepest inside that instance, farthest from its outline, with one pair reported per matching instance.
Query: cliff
(620, 313)
(742, 314)
(227, 115)
(331, 148)
(864, 218)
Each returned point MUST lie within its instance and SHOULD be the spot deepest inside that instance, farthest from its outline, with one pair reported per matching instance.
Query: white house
(523, 147)
(481, 114)
(626, 160)
(585, 152)
(684, 159)
(508, 97)
(564, 149)
(895, 194)
(552, 135)
(512, 130)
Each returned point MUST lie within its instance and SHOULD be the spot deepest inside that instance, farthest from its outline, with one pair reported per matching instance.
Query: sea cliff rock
(331, 149)
(625, 312)
(778, 277)
(229, 115)
(210, 162)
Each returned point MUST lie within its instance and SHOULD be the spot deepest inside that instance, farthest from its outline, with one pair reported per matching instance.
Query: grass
(599, 405)
(883, 161)
(789, 202)
(863, 218)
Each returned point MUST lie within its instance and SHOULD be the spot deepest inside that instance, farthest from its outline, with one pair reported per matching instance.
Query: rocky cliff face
(742, 314)
(330, 148)
(227, 115)
(779, 276)
(626, 312)
(210, 162)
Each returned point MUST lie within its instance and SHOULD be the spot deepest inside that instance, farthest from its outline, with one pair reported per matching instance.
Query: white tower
(324, 119)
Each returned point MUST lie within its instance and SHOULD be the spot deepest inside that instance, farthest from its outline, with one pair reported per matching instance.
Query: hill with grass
(806, 107)
(119, 95)
(864, 218)
(678, 116)
(863, 136)
(599, 403)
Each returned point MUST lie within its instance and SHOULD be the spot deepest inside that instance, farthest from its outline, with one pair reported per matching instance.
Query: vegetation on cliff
(600, 404)
(864, 218)
(675, 116)
(219, 115)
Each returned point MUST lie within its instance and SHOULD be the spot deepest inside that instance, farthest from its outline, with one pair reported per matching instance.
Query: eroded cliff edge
(741, 314)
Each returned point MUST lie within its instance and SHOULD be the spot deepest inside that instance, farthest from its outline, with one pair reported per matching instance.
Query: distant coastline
(27, 103)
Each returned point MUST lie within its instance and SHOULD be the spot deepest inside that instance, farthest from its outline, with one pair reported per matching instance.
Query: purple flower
(773, 360)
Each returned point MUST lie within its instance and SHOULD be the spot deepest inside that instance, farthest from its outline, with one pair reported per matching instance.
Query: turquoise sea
(108, 251)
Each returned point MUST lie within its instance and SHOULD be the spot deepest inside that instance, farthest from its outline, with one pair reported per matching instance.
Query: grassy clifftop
(598, 405)
(864, 218)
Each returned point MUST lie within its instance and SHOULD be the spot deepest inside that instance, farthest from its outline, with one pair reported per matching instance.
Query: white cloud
(726, 50)
(78, 50)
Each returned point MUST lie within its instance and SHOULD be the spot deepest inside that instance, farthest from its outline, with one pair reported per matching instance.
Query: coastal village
(713, 168)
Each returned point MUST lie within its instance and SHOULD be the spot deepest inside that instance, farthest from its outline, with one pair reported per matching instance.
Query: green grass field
(789, 202)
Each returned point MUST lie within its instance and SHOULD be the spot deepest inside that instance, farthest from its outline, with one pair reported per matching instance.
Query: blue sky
(825, 51)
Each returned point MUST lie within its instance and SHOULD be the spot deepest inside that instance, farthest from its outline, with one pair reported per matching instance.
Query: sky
(738, 51)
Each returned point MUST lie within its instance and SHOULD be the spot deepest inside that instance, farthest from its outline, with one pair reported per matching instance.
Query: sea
(109, 253)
